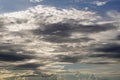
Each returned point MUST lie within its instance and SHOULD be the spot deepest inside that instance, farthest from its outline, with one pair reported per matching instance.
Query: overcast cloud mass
(41, 36)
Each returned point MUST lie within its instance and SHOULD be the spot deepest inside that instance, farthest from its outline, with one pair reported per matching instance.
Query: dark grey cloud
(58, 29)
(118, 37)
(100, 63)
(28, 66)
(107, 55)
(69, 58)
(59, 39)
(12, 48)
(64, 29)
(9, 53)
(61, 32)
(13, 57)
(111, 50)
(92, 28)
(9, 47)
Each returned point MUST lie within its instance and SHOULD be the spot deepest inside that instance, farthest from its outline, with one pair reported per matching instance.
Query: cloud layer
(41, 36)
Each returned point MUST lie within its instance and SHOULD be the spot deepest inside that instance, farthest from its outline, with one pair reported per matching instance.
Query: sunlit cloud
(99, 3)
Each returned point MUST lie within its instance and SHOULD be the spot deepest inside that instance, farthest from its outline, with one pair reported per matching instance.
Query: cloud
(9, 53)
(44, 34)
(46, 14)
(28, 66)
(63, 32)
(35, 1)
(110, 53)
(57, 39)
(58, 29)
(109, 48)
(69, 58)
(114, 16)
(12, 57)
(63, 29)
(118, 37)
(99, 3)
(66, 58)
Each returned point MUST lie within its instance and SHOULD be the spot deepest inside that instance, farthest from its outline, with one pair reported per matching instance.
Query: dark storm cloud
(9, 54)
(13, 57)
(60, 32)
(64, 29)
(111, 50)
(28, 66)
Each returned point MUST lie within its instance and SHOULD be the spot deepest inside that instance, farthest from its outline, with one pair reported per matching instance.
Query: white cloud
(99, 3)
(114, 14)
(35, 1)
(53, 15)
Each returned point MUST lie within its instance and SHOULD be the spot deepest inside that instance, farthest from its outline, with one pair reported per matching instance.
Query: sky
(39, 34)
(96, 5)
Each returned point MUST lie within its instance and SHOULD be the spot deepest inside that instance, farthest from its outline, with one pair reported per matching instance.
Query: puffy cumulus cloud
(54, 15)
(41, 36)
(99, 3)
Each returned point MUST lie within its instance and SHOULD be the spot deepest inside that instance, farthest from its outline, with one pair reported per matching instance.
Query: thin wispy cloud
(35, 1)
(99, 3)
